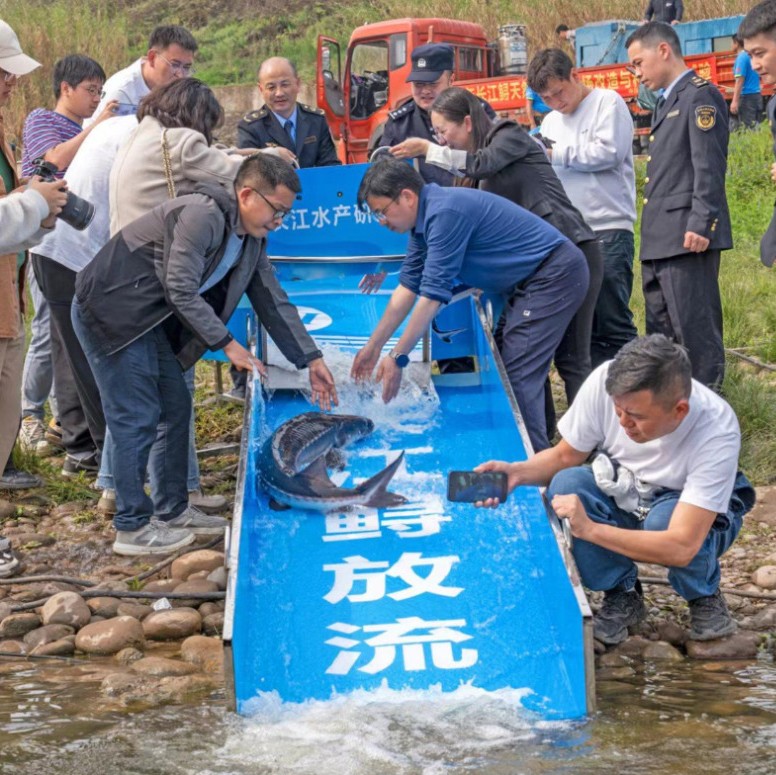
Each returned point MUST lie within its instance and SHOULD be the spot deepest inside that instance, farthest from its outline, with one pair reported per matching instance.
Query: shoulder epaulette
(309, 109)
(403, 110)
(255, 114)
(698, 82)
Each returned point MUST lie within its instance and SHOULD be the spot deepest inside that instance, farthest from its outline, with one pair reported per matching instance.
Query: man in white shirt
(664, 488)
(170, 55)
(590, 132)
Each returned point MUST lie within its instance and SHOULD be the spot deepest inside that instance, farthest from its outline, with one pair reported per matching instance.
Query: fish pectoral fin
(374, 488)
(278, 506)
(335, 459)
(316, 475)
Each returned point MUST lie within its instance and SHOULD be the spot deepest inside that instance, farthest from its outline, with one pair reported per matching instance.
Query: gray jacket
(151, 271)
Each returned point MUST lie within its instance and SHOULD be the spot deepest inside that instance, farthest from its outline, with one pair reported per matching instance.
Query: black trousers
(572, 358)
(682, 300)
(80, 407)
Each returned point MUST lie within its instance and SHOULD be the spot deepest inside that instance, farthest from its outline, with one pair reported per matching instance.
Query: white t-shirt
(89, 176)
(126, 86)
(593, 157)
(700, 458)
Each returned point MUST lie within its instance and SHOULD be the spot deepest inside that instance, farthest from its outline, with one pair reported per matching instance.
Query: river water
(682, 718)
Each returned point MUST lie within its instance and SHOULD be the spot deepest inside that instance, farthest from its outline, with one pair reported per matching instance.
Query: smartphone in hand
(470, 486)
(125, 109)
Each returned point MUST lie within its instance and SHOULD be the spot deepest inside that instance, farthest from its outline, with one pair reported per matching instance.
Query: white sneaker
(199, 523)
(8, 562)
(207, 503)
(32, 437)
(155, 538)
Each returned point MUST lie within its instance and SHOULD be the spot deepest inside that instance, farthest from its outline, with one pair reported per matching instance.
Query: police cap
(430, 61)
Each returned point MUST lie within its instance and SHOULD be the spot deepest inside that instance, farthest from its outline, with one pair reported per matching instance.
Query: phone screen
(470, 486)
(125, 109)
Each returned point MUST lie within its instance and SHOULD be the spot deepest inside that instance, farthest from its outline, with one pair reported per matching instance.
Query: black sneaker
(710, 618)
(75, 465)
(8, 562)
(621, 609)
(13, 479)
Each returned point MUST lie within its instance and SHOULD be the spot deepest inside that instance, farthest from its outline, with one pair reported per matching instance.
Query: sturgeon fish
(294, 463)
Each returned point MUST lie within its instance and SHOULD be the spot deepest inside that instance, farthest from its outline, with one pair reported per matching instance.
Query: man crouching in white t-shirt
(663, 486)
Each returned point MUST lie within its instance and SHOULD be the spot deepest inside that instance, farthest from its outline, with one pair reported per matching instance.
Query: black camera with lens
(77, 212)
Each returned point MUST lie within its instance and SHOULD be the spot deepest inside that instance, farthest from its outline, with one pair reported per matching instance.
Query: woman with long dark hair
(501, 157)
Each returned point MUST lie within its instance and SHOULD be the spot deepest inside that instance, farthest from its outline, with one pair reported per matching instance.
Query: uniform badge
(421, 63)
(705, 117)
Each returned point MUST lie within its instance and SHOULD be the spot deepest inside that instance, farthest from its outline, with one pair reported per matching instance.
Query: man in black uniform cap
(685, 221)
(432, 73)
(283, 122)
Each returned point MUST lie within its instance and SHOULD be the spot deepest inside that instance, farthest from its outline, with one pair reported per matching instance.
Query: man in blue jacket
(148, 306)
(462, 235)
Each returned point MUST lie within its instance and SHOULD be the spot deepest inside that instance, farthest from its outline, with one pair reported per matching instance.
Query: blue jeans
(38, 372)
(147, 407)
(602, 569)
(105, 478)
(613, 324)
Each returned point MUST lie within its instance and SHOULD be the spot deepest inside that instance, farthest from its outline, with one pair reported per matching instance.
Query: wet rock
(104, 606)
(161, 667)
(219, 576)
(731, 666)
(128, 655)
(66, 608)
(110, 636)
(206, 653)
(7, 510)
(12, 647)
(613, 659)
(135, 610)
(615, 673)
(5, 610)
(632, 647)
(202, 559)
(130, 688)
(172, 624)
(162, 585)
(29, 541)
(765, 619)
(598, 647)
(213, 624)
(206, 609)
(18, 625)
(765, 577)
(68, 509)
(672, 633)
(193, 587)
(740, 645)
(47, 634)
(662, 651)
(57, 648)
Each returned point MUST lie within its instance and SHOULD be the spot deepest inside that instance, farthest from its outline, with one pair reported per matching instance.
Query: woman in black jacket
(501, 157)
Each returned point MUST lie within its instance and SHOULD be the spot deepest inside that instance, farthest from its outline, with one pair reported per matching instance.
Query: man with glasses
(55, 136)
(170, 55)
(462, 235)
(285, 123)
(149, 305)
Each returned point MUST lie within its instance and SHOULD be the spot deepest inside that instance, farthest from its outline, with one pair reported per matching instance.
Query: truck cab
(357, 98)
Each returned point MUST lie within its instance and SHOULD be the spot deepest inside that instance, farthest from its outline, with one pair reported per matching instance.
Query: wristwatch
(401, 360)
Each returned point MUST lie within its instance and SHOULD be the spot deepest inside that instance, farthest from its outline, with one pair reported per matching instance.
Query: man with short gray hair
(663, 487)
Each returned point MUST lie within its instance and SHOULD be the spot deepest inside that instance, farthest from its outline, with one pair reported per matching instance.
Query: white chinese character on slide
(321, 217)
(341, 211)
(408, 521)
(371, 577)
(417, 639)
(362, 216)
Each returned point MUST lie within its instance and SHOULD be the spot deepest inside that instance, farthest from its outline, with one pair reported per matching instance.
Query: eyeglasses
(178, 67)
(8, 76)
(95, 91)
(277, 214)
(380, 215)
